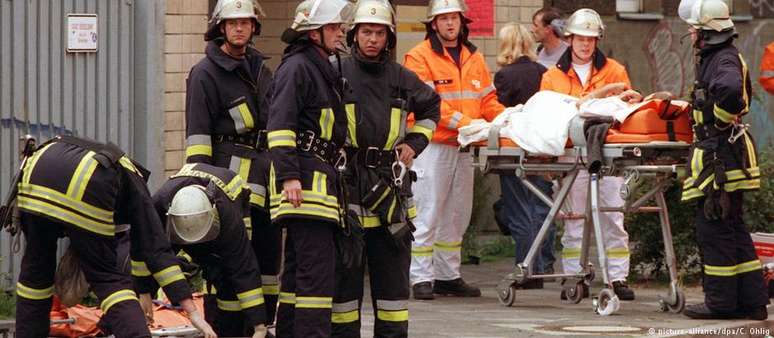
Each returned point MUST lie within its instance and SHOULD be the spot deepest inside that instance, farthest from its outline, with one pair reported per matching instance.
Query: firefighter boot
(423, 291)
(701, 311)
(455, 287)
(623, 291)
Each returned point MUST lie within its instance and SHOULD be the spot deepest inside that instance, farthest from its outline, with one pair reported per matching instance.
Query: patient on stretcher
(541, 126)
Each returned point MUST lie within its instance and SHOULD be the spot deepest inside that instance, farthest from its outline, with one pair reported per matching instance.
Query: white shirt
(583, 72)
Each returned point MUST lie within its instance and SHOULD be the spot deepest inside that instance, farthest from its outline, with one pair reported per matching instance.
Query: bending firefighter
(307, 128)
(723, 166)
(380, 150)
(227, 106)
(205, 209)
(451, 65)
(581, 70)
(82, 189)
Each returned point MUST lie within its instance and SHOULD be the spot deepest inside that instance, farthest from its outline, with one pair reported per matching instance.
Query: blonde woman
(519, 209)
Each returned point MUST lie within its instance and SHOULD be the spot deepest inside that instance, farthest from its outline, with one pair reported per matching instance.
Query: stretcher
(658, 161)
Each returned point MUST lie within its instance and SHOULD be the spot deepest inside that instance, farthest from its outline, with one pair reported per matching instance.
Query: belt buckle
(368, 162)
(260, 139)
(308, 145)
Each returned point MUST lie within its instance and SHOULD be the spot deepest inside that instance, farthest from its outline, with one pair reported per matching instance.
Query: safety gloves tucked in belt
(717, 202)
(349, 242)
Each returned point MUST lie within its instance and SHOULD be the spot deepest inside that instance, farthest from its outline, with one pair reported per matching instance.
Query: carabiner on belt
(737, 131)
(398, 171)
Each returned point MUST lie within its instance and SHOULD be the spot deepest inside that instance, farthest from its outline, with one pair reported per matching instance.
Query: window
(639, 9)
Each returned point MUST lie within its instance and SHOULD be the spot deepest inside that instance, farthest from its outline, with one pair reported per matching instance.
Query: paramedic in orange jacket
(450, 64)
(582, 69)
(767, 69)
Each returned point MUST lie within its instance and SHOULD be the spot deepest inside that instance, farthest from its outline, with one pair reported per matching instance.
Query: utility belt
(371, 157)
(257, 140)
(707, 131)
(324, 150)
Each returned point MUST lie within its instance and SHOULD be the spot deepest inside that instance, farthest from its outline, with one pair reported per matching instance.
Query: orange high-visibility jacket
(767, 69)
(466, 92)
(563, 79)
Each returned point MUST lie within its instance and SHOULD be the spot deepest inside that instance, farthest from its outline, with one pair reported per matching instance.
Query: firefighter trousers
(388, 262)
(222, 311)
(99, 262)
(616, 237)
(443, 195)
(306, 293)
(267, 246)
(732, 272)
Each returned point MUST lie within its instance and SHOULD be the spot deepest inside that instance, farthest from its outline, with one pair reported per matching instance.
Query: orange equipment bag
(655, 120)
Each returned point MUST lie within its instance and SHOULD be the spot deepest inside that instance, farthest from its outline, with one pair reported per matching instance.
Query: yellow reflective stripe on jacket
(305, 209)
(287, 297)
(83, 208)
(448, 246)
(698, 116)
(617, 253)
(751, 157)
(750, 184)
(228, 305)
(412, 212)
(697, 162)
(30, 165)
(65, 215)
(82, 176)
(33, 293)
(309, 196)
(169, 275)
(306, 302)
(722, 115)
(139, 269)
(392, 136)
(726, 271)
(241, 166)
(745, 94)
(351, 123)
(571, 253)
(117, 297)
(346, 312)
(232, 189)
(198, 144)
(281, 138)
(424, 127)
(250, 298)
(243, 119)
(326, 123)
(320, 183)
(422, 251)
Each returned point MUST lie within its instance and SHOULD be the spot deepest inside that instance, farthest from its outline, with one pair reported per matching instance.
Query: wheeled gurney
(660, 162)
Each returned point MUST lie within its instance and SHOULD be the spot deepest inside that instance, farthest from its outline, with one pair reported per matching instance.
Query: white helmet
(313, 14)
(706, 14)
(234, 9)
(192, 218)
(376, 12)
(585, 22)
(438, 7)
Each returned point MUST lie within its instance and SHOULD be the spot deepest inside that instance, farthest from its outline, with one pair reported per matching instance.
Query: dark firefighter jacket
(226, 112)
(306, 97)
(383, 94)
(721, 97)
(229, 254)
(94, 187)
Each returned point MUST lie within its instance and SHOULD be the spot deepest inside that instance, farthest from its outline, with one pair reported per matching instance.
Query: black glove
(349, 242)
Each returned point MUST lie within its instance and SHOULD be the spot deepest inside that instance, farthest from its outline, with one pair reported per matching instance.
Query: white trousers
(616, 237)
(443, 195)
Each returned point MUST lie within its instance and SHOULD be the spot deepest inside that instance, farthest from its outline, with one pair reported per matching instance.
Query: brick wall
(519, 11)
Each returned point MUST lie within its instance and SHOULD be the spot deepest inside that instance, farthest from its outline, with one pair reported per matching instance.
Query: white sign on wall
(82, 33)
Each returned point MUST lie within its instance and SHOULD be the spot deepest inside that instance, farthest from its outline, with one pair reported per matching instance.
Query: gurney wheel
(606, 303)
(677, 307)
(507, 296)
(575, 293)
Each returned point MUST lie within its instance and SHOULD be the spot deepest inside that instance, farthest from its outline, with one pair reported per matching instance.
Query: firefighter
(307, 128)
(582, 69)
(450, 64)
(380, 147)
(205, 209)
(723, 166)
(82, 189)
(767, 69)
(227, 106)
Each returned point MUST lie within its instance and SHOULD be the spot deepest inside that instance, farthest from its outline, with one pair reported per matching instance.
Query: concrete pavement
(540, 313)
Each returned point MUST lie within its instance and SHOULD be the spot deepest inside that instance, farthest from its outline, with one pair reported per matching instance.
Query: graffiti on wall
(672, 67)
(760, 7)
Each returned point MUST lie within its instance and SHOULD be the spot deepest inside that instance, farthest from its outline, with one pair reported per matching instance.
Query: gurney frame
(662, 162)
